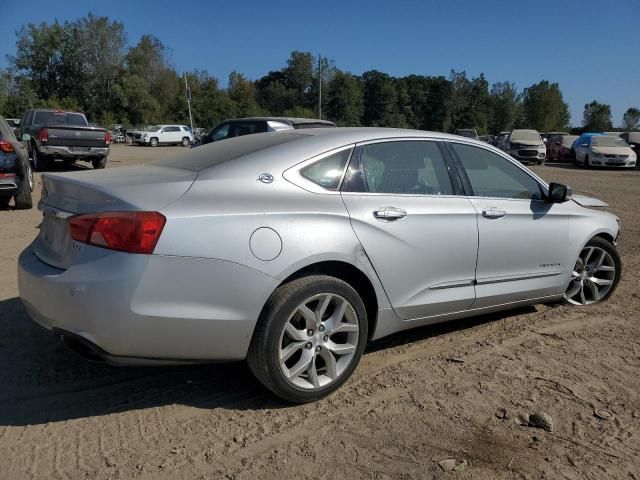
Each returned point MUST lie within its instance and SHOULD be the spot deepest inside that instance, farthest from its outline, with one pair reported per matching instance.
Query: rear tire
(23, 198)
(40, 162)
(99, 163)
(286, 341)
(186, 142)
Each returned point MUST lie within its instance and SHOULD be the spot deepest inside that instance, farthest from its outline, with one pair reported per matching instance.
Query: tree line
(87, 65)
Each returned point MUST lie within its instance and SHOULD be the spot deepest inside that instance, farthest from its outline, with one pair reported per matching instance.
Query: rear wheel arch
(350, 274)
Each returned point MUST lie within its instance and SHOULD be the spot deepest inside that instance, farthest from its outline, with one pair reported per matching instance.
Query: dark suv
(16, 177)
(246, 126)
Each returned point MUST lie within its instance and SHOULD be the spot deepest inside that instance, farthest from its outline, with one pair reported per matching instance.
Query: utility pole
(319, 87)
(187, 92)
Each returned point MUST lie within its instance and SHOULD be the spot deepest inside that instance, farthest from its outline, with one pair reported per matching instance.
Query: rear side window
(491, 175)
(171, 129)
(327, 172)
(405, 167)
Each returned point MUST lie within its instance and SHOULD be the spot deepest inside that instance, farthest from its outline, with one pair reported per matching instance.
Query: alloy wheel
(30, 176)
(592, 277)
(318, 341)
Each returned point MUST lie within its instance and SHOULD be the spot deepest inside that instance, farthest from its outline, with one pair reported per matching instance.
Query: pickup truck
(58, 135)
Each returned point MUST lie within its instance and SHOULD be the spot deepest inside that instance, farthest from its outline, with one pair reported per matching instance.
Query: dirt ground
(453, 391)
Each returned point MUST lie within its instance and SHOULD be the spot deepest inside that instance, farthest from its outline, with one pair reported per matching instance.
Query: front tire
(309, 338)
(595, 275)
(153, 142)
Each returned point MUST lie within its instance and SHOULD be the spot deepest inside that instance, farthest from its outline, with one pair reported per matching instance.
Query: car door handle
(389, 214)
(493, 212)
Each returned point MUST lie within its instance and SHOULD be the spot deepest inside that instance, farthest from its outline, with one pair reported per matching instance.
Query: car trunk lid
(139, 188)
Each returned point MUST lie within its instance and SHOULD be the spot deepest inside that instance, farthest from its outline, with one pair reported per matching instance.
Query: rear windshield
(526, 135)
(608, 141)
(216, 153)
(59, 118)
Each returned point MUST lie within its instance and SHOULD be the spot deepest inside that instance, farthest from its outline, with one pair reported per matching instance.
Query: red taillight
(44, 135)
(6, 147)
(133, 232)
(107, 137)
(7, 175)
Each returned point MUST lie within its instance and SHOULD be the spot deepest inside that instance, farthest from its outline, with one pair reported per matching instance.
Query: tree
(345, 100)
(597, 117)
(242, 93)
(544, 108)
(468, 104)
(380, 103)
(505, 106)
(631, 119)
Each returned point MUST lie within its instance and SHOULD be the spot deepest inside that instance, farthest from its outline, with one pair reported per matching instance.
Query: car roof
(279, 149)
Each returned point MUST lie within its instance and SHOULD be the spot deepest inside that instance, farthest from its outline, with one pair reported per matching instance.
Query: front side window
(491, 175)
(405, 167)
(171, 129)
(220, 133)
(328, 171)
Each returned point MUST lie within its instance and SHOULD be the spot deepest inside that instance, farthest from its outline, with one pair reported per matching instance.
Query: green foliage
(544, 109)
(87, 65)
(345, 103)
(631, 119)
(597, 117)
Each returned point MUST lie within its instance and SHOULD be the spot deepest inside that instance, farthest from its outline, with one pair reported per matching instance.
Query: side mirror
(26, 137)
(558, 193)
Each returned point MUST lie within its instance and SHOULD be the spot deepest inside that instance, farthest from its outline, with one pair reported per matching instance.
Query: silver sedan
(292, 250)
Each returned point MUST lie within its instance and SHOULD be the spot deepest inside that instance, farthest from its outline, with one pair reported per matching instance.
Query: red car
(559, 147)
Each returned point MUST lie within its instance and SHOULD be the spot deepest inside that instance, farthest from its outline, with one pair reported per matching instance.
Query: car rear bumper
(148, 308)
(67, 152)
(8, 186)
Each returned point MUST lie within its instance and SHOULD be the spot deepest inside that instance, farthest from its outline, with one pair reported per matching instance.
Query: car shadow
(43, 381)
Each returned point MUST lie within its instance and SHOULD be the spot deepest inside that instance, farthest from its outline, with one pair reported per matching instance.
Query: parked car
(247, 126)
(16, 177)
(467, 132)
(13, 122)
(633, 139)
(526, 146)
(58, 135)
(559, 148)
(293, 251)
(164, 135)
(500, 140)
(603, 151)
(552, 136)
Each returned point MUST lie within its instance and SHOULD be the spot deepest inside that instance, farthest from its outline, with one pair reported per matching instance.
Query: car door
(523, 250)
(418, 231)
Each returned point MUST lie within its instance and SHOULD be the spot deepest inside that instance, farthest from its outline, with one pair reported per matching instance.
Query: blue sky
(592, 48)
